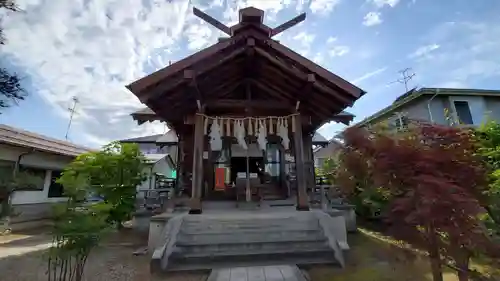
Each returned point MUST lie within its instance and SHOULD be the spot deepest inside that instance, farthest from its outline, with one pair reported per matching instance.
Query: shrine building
(245, 111)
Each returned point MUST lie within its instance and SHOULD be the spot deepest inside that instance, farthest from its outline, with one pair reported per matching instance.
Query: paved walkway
(17, 245)
(258, 273)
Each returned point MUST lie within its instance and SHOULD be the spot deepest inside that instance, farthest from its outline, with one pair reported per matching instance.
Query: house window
(401, 122)
(462, 110)
(55, 189)
(32, 179)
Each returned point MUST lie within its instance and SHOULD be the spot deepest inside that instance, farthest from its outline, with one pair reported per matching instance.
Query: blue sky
(90, 49)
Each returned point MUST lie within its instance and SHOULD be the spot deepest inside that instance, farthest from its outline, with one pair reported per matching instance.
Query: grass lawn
(376, 258)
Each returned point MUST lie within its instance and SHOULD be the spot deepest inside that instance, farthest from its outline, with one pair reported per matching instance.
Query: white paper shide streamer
(215, 136)
(259, 127)
(239, 131)
(261, 136)
(283, 132)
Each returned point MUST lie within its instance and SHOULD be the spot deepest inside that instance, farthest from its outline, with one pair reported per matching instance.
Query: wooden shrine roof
(246, 70)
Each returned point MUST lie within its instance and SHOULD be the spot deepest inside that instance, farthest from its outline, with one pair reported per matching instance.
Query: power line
(72, 111)
(407, 75)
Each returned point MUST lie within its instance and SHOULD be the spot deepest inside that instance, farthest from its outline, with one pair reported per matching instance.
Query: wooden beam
(167, 86)
(302, 197)
(354, 91)
(309, 159)
(289, 70)
(292, 87)
(197, 176)
(138, 86)
(212, 21)
(291, 23)
(268, 87)
(178, 106)
(230, 103)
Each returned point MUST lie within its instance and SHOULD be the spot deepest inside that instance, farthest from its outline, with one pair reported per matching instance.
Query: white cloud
(382, 3)
(338, 51)
(304, 38)
(375, 17)
(335, 50)
(372, 18)
(424, 50)
(452, 84)
(318, 58)
(91, 49)
(369, 75)
(305, 41)
(323, 7)
(471, 52)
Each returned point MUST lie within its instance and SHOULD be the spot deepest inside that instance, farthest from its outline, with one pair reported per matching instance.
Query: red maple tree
(435, 181)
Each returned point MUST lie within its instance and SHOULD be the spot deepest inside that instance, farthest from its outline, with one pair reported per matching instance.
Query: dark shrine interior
(239, 165)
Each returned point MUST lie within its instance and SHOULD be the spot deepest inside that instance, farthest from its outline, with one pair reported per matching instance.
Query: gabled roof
(169, 137)
(18, 137)
(329, 150)
(319, 139)
(145, 139)
(414, 93)
(251, 59)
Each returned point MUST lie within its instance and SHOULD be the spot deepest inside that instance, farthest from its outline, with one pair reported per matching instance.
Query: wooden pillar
(302, 197)
(308, 160)
(197, 181)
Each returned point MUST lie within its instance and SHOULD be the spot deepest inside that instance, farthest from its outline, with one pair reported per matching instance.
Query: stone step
(251, 259)
(249, 237)
(228, 218)
(256, 222)
(267, 247)
(238, 229)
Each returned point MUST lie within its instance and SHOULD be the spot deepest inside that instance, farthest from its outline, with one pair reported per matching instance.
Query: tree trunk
(434, 256)
(462, 259)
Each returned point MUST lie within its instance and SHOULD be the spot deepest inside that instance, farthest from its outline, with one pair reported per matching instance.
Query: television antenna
(406, 76)
(72, 111)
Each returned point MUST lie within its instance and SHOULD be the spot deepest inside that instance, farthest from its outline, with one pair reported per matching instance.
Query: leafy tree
(78, 228)
(114, 174)
(434, 178)
(488, 137)
(10, 86)
(353, 174)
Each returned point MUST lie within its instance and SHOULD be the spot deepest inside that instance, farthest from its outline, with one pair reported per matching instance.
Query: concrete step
(228, 219)
(255, 236)
(251, 259)
(244, 248)
(246, 228)
(255, 222)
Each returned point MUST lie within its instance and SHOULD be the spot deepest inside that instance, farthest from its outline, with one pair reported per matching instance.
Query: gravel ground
(113, 261)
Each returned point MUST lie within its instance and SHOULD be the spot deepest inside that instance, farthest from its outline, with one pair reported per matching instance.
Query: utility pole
(72, 112)
(407, 74)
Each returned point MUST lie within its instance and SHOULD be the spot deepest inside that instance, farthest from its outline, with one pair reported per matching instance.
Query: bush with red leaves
(435, 180)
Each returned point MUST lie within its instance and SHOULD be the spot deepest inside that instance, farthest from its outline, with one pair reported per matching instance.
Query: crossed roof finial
(249, 15)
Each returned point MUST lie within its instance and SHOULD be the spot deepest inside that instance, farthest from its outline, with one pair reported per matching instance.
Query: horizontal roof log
(148, 115)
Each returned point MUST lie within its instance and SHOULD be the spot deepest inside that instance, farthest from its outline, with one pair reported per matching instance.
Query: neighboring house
(161, 155)
(441, 106)
(323, 153)
(42, 157)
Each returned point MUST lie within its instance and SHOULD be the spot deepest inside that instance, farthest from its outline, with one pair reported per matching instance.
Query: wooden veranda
(245, 75)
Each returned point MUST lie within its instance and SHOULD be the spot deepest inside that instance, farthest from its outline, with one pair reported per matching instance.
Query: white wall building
(42, 157)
